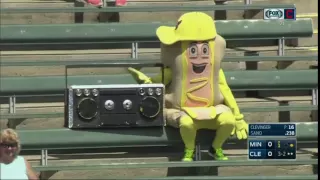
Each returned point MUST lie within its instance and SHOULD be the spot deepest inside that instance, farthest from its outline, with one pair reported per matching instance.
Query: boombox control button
(78, 92)
(150, 107)
(95, 92)
(150, 91)
(127, 104)
(86, 92)
(158, 91)
(109, 105)
(141, 91)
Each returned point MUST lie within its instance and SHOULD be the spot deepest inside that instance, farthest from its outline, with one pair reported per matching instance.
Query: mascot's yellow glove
(241, 127)
(139, 76)
(142, 78)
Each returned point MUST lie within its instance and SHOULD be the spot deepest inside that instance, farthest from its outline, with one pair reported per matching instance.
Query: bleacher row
(87, 36)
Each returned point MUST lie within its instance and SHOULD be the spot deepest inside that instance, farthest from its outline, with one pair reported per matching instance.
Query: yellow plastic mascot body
(197, 96)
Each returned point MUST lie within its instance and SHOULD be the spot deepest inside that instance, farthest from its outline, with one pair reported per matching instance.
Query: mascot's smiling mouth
(199, 68)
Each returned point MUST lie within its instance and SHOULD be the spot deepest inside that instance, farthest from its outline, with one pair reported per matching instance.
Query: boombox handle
(118, 63)
(111, 63)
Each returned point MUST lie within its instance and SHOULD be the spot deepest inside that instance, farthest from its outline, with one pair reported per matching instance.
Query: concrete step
(241, 14)
(159, 16)
(36, 18)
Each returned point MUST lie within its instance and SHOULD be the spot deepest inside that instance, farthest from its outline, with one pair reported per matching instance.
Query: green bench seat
(128, 32)
(176, 164)
(243, 109)
(55, 62)
(238, 80)
(125, 137)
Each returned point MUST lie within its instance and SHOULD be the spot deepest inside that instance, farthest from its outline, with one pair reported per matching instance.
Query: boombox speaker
(101, 106)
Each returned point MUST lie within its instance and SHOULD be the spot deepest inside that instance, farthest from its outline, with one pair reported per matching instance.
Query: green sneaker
(217, 154)
(188, 155)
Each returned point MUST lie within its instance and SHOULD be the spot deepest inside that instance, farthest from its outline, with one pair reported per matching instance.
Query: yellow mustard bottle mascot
(197, 95)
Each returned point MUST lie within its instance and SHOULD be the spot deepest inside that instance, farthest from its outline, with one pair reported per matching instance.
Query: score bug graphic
(279, 14)
(272, 149)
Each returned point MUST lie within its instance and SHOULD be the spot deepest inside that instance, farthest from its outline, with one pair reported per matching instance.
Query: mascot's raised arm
(198, 96)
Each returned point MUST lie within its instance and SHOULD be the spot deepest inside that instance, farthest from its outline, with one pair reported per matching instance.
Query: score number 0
(270, 146)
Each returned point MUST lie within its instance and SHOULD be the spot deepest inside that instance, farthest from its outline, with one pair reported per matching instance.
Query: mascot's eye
(193, 50)
(205, 49)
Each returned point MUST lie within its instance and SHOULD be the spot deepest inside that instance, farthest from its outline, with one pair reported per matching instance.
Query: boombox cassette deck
(101, 106)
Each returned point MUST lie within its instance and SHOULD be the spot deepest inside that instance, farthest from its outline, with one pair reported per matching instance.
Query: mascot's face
(198, 57)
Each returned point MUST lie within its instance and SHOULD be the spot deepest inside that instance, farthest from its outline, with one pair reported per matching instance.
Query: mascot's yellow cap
(192, 26)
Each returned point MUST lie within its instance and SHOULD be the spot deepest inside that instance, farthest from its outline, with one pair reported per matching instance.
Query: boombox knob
(87, 108)
(150, 107)
(127, 104)
(109, 105)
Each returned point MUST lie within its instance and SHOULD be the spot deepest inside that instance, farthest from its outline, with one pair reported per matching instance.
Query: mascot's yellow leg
(223, 124)
(188, 132)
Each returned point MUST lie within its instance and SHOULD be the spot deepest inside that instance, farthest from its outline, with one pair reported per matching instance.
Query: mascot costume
(197, 93)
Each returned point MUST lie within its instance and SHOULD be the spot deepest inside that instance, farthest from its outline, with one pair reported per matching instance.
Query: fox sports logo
(273, 14)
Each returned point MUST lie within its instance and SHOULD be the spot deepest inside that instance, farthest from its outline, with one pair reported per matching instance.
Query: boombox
(102, 106)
